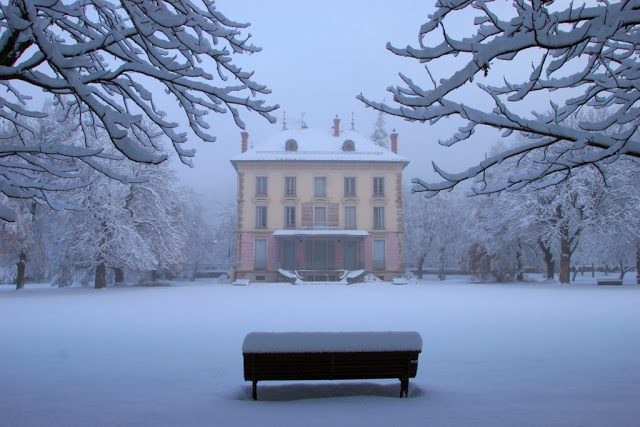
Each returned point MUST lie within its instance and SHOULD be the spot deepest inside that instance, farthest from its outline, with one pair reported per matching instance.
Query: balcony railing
(314, 225)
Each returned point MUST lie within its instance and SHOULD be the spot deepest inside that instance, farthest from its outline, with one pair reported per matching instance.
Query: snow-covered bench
(282, 356)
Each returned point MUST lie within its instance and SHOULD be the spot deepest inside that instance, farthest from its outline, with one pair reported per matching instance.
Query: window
(348, 145)
(349, 186)
(261, 217)
(290, 217)
(319, 217)
(260, 256)
(378, 255)
(350, 217)
(378, 218)
(320, 186)
(261, 185)
(289, 186)
(291, 145)
(378, 186)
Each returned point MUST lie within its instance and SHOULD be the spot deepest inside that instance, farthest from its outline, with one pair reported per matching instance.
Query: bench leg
(404, 387)
(255, 390)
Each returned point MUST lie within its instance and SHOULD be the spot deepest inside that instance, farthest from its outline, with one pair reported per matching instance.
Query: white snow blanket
(330, 342)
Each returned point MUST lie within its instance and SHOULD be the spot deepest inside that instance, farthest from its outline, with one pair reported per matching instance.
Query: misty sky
(316, 57)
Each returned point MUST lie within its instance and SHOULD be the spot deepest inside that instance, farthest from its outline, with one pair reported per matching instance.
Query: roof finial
(353, 123)
(304, 125)
(284, 120)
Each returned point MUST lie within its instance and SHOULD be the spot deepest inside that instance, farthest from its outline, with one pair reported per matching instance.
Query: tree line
(150, 227)
(586, 220)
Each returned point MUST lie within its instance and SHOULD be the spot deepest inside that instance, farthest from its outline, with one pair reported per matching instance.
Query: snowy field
(495, 355)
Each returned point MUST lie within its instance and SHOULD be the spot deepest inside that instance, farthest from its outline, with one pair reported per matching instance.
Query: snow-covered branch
(584, 57)
(112, 60)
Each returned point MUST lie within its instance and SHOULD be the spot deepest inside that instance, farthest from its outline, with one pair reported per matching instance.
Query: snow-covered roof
(320, 342)
(346, 233)
(318, 145)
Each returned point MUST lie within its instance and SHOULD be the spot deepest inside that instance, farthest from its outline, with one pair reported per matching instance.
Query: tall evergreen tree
(380, 136)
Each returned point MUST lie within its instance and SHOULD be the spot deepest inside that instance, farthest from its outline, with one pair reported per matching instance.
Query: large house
(319, 205)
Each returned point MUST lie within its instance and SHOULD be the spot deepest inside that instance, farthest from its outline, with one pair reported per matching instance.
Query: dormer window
(291, 145)
(348, 145)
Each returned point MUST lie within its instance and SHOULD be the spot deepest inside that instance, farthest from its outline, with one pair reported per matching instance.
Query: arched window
(348, 145)
(291, 145)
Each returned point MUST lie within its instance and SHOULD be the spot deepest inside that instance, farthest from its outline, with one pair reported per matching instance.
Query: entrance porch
(320, 255)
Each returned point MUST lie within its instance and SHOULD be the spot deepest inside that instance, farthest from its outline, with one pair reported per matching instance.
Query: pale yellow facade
(316, 206)
(305, 174)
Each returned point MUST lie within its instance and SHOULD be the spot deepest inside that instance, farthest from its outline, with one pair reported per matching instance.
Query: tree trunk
(21, 268)
(420, 263)
(119, 275)
(638, 264)
(548, 259)
(194, 273)
(622, 270)
(101, 276)
(442, 273)
(565, 256)
(519, 272)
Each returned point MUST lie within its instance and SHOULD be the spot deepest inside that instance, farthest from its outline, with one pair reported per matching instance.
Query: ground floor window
(260, 258)
(378, 255)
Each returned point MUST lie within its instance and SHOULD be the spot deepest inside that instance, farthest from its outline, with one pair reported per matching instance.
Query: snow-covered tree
(614, 240)
(419, 229)
(200, 232)
(157, 206)
(380, 136)
(225, 226)
(17, 240)
(580, 56)
(497, 234)
(103, 234)
(108, 64)
(434, 229)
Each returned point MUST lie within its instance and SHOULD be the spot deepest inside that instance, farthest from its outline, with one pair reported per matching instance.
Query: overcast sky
(316, 57)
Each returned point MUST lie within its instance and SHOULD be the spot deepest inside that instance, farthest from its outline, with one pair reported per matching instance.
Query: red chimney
(394, 141)
(336, 126)
(245, 140)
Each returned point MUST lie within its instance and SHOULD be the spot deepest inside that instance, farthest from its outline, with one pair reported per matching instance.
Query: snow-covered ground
(526, 354)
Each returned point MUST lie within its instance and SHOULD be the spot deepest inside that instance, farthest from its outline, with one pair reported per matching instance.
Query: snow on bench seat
(330, 342)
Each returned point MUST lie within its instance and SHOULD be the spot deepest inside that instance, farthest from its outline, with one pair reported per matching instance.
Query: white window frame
(378, 218)
(316, 181)
(261, 185)
(349, 186)
(347, 224)
(378, 186)
(290, 189)
(260, 263)
(289, 217)
(319, 220)
(261, 217)
(379, 248)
